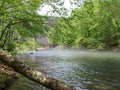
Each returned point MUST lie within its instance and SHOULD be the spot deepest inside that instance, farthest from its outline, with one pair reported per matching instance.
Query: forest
(92, 25)
(95, 25)
(19, 22)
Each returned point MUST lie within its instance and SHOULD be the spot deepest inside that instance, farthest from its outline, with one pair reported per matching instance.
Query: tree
(19, 20)
(94, 25)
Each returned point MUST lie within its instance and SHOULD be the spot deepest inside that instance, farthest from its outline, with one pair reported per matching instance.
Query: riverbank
(7, 76)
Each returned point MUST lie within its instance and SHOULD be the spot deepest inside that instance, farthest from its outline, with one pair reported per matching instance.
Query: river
(84, 70)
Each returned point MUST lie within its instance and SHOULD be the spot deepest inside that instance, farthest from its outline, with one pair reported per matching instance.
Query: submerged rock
(102, 86)
(116, 50)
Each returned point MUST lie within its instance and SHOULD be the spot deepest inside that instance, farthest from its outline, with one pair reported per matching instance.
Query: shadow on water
(84, 70)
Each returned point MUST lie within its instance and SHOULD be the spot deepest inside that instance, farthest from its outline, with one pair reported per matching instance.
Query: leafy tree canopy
(95, 24)
(19, 20)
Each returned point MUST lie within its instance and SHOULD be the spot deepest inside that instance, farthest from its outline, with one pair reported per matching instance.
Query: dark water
(81, 69)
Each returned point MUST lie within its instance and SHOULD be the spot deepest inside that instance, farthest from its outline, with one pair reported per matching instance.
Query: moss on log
(34, 75)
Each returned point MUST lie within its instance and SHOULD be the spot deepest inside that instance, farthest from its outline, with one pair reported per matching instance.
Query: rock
(116, 50)
(41, 48)
(31, 52)
(59, 47)
(101, 86)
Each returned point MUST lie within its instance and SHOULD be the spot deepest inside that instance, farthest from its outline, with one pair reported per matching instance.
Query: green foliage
(19, 21)
(5, 78)
(11, 46)
(27, 45)
(96, 24)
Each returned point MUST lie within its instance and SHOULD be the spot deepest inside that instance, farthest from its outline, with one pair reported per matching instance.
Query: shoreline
(7, 76)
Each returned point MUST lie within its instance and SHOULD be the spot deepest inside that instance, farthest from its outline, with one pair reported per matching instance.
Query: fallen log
(34, 75)
(7, 71)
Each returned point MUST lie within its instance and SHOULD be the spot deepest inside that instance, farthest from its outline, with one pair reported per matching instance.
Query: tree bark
(34, 75)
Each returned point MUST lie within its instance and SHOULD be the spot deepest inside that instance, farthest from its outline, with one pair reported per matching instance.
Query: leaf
(94, 26)
(114, 22)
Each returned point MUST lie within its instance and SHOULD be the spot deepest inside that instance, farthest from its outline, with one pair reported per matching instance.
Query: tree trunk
(34, 75)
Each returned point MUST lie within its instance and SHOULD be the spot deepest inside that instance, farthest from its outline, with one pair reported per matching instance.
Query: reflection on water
(83, 70)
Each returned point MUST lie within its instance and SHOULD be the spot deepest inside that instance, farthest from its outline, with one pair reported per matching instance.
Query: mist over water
(85, 70)
(67, 53)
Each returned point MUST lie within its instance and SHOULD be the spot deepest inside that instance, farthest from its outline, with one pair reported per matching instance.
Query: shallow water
(81, 69)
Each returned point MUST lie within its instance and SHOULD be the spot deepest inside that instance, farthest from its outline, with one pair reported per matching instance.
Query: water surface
(81, 69)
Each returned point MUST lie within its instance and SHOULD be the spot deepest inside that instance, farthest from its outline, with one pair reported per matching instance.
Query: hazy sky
(47, 9)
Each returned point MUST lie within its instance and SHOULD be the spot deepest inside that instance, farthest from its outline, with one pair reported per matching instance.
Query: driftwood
(34, 75)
